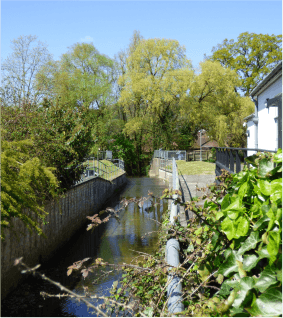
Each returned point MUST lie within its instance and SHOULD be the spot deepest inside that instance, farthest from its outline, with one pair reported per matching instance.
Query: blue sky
(198, 25)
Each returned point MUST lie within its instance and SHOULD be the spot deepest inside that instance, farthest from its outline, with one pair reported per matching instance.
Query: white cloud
(87, 38)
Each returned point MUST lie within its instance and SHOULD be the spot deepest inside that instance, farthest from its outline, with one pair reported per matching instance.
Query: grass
(195, 167)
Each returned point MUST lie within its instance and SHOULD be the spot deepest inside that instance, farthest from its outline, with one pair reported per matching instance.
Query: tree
(61, 136)
(83, 77)
(25, 184)
(213, 104)
(156, 78)
(20, 68)
(252, 57)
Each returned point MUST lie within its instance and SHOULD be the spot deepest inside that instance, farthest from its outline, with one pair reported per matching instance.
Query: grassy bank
(195, 167)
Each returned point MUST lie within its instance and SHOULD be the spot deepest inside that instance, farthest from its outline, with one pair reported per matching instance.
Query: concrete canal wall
(65, 217)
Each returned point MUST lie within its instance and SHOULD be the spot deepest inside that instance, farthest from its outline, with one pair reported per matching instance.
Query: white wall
(251, 138)
(267, 125)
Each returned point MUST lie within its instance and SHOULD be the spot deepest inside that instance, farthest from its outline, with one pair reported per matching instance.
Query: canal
(116, 242)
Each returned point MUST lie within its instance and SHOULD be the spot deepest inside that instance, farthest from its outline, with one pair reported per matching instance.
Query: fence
(95, 168)
(166, 157)
(196, 155)
(232, 159)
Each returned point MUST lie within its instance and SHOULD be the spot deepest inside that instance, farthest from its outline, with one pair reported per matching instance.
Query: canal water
(116, 242)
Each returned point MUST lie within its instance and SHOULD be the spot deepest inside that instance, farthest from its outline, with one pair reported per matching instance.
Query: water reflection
(114, 242)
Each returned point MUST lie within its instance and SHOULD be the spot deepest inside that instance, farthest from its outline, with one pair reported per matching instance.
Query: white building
(264, 126)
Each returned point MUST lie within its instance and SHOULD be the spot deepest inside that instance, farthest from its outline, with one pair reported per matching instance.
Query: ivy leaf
(276, 185)
(263, 253)
(269, 304)
(265, 187)
(230, 264)
(228, 227)
(243, 190)
(265, 165)
(242, 225)
(278, 156)
(274, 238)
(225, 202)
(266, 278)
(250, 243)
(262, 220)
(250, 261)
(246, 283)
(238, 312)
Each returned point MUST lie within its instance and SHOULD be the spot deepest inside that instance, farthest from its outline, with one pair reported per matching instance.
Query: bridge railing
(96, 168)
(166, 157)
(233, 159)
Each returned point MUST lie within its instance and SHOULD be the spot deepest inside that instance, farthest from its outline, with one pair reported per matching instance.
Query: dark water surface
(115, 242)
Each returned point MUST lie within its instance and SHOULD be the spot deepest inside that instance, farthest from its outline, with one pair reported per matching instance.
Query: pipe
(255, 120)
(174, 289)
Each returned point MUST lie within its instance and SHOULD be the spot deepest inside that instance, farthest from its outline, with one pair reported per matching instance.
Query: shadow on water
(114, 242)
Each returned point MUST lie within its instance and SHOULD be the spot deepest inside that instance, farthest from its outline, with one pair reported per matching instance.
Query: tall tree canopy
(20, 68)
(213, 104)
(83, 77)
(252, 56)
(156, 77)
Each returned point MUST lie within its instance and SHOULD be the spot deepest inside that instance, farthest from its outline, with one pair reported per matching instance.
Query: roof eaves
(277, 69)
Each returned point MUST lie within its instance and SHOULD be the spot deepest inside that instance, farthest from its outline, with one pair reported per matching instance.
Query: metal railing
(166, 157)
(96, 168)
(233, 159)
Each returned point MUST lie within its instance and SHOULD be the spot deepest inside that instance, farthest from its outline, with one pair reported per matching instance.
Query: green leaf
(276, 185)
(274, 239)
(228, 228)
(191, 248)
(148, 312)
(263, 253)
(266, 278)
(250, 243)
(269, 304)
(243, 190)
(225, 202)
(230, 265)
(250, 261)
(265, 187)
(265, 165)
(214, 239)
(278, 156)
(246, 283)
(261, 221)
(242, 225)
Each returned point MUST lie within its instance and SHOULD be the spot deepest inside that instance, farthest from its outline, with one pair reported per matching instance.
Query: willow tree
(213, 104)
(252, 56)
(157, 76)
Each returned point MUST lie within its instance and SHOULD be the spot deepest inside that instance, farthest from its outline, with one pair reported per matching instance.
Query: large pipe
(174, 289)
(255, 120)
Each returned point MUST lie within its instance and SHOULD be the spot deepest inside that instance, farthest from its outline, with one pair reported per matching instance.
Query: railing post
(238, 162)
(231, 160)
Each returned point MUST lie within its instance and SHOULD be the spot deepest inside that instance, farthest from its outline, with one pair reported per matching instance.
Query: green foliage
(213, 104)
(253, 56)
(232, 264)
(62, 136)
(25, 184)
